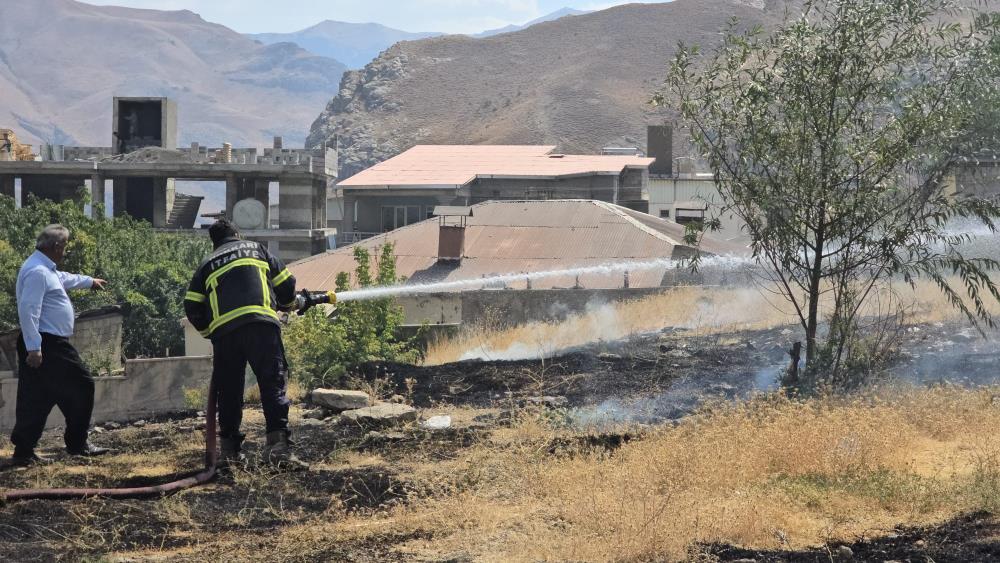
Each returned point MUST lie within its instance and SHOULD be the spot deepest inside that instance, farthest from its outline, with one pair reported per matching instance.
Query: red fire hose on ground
(202, 477)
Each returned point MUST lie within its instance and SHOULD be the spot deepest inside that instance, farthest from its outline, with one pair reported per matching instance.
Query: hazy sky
(449, 16)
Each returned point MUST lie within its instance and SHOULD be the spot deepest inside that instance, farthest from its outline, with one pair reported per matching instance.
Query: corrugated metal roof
(457, 165)
(511, 237)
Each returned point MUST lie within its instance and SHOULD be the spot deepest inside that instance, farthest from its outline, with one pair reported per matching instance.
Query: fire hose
(137, 492)
(303, 302)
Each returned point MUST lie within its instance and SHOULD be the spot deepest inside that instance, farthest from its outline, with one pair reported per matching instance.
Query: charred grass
(890, 473)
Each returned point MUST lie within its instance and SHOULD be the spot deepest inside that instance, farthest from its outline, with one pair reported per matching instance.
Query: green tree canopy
(833, 139)
(147, 271)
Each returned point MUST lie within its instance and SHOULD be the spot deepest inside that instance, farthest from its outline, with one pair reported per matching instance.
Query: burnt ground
(633, 368)
(255, 502)
(968, 538)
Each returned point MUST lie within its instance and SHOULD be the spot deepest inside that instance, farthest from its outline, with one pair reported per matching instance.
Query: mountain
(62, 61)
(356, 44)
(562, 12)
(578, 82)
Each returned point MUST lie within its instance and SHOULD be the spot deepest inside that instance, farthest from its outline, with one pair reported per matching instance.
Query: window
(685, 216)
(665, 213)
(396, 216)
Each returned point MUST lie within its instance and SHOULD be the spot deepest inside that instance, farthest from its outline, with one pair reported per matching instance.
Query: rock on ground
(340, 399)
(380, 414)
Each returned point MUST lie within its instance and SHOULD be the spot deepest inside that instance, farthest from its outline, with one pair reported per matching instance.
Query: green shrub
(321, 350)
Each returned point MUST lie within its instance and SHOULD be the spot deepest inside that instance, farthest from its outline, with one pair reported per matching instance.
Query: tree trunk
(794, 355)
(816, 276)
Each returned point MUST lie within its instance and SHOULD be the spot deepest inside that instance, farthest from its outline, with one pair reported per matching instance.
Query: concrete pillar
(262, 193)
(161, 202)
(119, 196)
(232, 194)
(319, 208)
(297, 204)
(96, 195)
(7, 185)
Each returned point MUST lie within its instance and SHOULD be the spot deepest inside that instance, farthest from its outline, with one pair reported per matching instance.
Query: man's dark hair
(221, 230)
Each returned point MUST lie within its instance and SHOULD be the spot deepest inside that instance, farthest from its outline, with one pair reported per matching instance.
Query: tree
(147, 271)
(833, 138)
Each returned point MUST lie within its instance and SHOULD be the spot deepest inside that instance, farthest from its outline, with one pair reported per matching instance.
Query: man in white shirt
(50, 371)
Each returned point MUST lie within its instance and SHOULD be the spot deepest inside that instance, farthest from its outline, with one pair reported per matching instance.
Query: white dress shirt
(42, 302)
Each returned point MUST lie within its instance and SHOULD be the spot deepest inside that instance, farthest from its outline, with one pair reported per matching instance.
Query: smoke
(599, 322)
(944, 354)
(693, 308)
(681, 398)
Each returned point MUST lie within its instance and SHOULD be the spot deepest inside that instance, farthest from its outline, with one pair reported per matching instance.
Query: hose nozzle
(306, 300)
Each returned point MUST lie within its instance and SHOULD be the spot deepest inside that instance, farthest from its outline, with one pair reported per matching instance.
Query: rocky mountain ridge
(580, 82)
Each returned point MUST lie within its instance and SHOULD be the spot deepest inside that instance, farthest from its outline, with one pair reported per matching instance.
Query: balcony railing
(351, 237)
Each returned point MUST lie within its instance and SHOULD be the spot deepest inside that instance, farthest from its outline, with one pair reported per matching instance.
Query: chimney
(451, 232)
(660, 146)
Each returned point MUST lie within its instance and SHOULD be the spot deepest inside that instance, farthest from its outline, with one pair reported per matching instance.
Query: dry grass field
(771, 473)
(772, 478)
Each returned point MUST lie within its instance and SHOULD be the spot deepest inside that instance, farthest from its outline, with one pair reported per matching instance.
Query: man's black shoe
(26, 460)
(88, 450)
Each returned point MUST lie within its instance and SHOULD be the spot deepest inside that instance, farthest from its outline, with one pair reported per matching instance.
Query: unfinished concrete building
(143, 161)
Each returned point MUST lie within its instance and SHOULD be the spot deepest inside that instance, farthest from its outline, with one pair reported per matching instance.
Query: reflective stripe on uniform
(213, 303)
(211, 279)
(239, 312)
(195, 296)
(284, 275)
(265, 289)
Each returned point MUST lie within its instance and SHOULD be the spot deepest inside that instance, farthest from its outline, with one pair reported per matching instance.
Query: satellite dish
(250, 214)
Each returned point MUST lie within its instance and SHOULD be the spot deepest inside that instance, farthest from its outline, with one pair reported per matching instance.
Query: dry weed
(774, 472)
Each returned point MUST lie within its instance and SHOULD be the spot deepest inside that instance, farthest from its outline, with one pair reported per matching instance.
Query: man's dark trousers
(258, 343)
(62, 380)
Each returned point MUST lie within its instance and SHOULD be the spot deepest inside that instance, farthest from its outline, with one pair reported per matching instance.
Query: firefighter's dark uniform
(232, 299)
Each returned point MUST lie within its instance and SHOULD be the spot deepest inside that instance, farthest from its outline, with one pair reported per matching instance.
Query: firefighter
(233, 300)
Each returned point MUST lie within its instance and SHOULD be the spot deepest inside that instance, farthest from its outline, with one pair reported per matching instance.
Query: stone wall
(513, 307)
(149, 387)
(97, 336)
